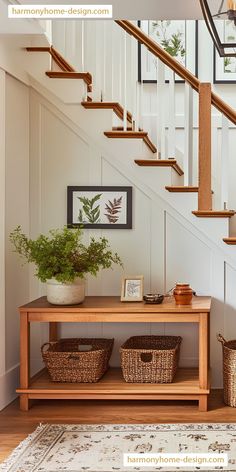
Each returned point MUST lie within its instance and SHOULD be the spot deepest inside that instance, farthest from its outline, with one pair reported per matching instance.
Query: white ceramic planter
(70, 293)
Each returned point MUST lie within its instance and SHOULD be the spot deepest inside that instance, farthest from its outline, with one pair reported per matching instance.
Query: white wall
(15, 205)
(160, 246)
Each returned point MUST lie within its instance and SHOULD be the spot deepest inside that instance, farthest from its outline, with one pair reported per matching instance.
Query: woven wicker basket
(66, 362)
(151, 359)
(229, 370)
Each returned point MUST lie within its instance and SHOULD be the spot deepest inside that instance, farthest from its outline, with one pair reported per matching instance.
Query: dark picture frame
(222, 66)
(99, 207)
(177, 80)
(219, 61)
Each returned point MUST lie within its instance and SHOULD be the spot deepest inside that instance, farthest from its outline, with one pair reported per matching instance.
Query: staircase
(126, 126)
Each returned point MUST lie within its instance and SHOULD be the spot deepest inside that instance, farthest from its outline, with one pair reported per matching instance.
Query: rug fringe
(9, 461)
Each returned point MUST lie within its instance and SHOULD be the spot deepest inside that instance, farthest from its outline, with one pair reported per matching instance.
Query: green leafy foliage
(173, 44)
(91, 213)
(62, 255)
(227, 62)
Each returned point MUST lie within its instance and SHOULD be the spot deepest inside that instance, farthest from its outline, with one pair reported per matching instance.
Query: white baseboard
(8, 384)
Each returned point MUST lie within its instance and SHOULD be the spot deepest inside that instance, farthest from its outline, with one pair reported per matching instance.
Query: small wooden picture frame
(132, 289)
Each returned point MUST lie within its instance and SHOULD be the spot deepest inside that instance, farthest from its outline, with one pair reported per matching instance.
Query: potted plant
(62, 261)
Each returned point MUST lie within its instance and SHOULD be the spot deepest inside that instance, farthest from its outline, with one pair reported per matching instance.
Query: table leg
(203, 350)
(208, 340)
(202, 403)
(24, 359)
(53, 331)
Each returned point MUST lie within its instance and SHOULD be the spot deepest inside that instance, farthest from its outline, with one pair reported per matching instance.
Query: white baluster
(89, 51)
(129, 75)
(82, 56)
(125, 82)
(161, 144)
(188, 138)
(104, 48)
(47, 25)
(58, 36)
(98, 71)
(225, 163)
(111, 38)
(82, 46)
(171, 127)
(137, 106)
(121, 62)
(140, 98)
(141, 107)
(134, 81)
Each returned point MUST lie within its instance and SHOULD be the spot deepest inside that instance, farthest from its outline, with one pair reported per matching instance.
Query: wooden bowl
(152, 298)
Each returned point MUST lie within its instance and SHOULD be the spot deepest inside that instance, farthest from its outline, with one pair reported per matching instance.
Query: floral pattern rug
(94, 448)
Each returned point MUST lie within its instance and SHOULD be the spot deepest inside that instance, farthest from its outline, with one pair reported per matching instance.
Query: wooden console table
(189, 384)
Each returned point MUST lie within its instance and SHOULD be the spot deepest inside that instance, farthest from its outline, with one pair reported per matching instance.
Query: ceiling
(122, 9)
(12, 26)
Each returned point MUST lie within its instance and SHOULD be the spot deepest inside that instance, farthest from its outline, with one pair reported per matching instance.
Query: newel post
(204, 148)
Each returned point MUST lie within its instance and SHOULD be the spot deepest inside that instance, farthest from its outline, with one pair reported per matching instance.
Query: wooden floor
(15, 425)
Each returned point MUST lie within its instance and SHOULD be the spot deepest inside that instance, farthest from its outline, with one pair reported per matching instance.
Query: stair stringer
(95, 122)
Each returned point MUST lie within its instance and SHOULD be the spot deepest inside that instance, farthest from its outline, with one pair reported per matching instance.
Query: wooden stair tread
(231, 240)
(38, 48)
(181, 188)
(214, 213)
(115, 106)
(132, 135)
(86, 76)
(160, 163)
(67, 71)
(56, 56)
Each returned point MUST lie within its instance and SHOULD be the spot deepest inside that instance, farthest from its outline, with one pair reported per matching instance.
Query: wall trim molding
(2, 217)
(8, 383)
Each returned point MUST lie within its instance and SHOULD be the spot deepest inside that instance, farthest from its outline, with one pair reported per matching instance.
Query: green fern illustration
(89, 212)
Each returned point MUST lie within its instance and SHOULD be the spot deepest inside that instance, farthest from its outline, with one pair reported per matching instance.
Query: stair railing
(207, 98)
(110, 55)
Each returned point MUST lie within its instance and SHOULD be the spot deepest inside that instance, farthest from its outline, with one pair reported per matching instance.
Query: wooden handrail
(180, 70)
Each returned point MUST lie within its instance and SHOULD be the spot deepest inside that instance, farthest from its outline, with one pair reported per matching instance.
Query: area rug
(94, 448)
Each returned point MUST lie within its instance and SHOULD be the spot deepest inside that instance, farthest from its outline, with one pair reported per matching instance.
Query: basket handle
(75, 356)
(46, 344)
(146, 356)
(221, 339)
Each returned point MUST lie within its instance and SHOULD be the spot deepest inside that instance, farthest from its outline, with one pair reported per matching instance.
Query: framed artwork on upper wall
(99, 207)
(178, 37)
(224, 68)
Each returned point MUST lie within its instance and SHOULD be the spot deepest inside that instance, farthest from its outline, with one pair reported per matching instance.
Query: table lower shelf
(112, 386)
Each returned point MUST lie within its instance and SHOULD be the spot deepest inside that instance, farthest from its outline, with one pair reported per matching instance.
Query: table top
(108, 304)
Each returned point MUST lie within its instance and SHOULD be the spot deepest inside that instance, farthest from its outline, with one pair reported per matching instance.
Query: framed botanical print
(224, 68)
(99, 207)
(178, 37)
